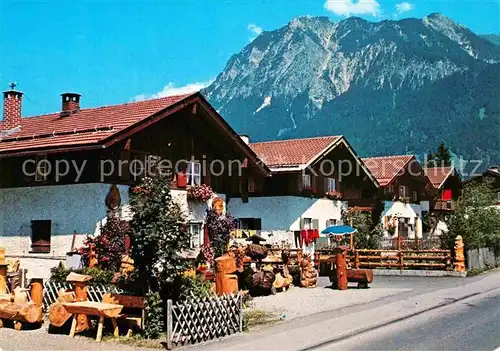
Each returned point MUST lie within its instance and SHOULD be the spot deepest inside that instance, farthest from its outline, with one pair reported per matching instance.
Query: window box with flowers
(201, 192)
(334, 195)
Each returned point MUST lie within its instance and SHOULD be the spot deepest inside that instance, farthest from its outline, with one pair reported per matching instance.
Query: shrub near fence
(482, 258)
(203, 319)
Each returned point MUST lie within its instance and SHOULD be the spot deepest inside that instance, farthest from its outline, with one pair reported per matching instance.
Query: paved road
(434, 315)
(470, 324)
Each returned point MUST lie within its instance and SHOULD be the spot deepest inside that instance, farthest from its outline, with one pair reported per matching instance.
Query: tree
(475, 219)
(159, 234)
(441, 158)
(368, 232)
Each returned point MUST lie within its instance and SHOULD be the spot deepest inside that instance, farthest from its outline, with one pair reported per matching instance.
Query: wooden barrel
(225, 281)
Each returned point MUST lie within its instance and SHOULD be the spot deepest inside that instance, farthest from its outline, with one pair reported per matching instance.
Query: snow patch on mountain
(265, 103)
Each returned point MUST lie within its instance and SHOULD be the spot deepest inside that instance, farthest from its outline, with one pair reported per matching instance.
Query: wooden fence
(202, 319)
(95, 292)
(402, 259)
(435, 259)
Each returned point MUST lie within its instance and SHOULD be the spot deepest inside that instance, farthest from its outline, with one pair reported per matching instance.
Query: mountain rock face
(390, 87)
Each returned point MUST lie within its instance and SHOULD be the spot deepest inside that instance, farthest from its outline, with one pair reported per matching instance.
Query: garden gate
(202, 319)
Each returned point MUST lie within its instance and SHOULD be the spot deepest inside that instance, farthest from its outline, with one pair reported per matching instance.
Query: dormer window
(42, 168)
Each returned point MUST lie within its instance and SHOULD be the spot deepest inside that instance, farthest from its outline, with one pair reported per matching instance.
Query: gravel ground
(299, 302)
(40, 339)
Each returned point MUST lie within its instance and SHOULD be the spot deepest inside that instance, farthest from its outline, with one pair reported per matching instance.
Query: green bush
(59, 273)
(153, 324)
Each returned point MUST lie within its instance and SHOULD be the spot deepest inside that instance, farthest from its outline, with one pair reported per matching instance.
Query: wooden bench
(361, 276)
(133, 309)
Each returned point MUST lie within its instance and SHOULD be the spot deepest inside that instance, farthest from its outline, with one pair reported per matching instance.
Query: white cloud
(404, 7)
(170, 89)
(255, 30)
(353, 7)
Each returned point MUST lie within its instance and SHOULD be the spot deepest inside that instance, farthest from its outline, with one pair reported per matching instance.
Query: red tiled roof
(437, 175)
(87, 126)
(293, 152)
(386, 168)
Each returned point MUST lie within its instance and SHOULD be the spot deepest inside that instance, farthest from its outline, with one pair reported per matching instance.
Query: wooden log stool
(361, 276)
(80, 282)
(98, 309)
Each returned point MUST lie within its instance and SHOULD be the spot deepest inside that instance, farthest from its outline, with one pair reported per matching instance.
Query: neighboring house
(448, 186)
(491, 177)
(44, 214)
(313, 180)
(405, 191)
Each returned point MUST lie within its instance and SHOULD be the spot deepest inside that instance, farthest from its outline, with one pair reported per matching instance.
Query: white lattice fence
(95, 292)
(203, 319)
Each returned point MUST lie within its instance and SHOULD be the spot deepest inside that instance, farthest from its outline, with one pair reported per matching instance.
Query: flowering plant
(219, 229)
(201, 192)
(108, 246)
(334, 195)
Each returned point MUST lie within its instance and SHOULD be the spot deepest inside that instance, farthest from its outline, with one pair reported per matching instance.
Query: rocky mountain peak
(314, 76)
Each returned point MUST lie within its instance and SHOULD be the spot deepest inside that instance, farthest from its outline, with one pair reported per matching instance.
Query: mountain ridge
(355, 77)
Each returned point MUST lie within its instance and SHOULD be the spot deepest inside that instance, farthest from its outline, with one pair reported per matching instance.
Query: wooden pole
(169, 325)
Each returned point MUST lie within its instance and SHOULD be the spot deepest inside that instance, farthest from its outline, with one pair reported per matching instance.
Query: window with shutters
(194, 173)
(331, 185)
(306, 181)
(40, 236)
(42, 168)
(402, 191)
(331, 222)
(251, 185)
(196, 235)
(306, 223)
(415, 196)
(249, 223)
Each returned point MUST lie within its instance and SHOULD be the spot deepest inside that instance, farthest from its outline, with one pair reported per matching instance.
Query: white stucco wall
(71, 208)
(284, 212)
(77, 207)
(401, 210)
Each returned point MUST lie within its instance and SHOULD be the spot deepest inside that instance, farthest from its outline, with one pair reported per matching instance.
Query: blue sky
(113, 52)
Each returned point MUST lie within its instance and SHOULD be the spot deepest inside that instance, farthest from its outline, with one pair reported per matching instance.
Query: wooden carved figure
(459, 262)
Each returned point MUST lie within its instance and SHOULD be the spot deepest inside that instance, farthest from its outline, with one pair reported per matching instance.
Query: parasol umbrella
(338, 230)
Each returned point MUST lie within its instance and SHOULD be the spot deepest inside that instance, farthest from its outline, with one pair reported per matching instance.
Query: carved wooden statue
(218, 205)
(459, 262)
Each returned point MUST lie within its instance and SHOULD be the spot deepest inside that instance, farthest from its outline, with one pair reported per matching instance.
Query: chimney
(245, 138)
(70, 103)
(12, 101)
